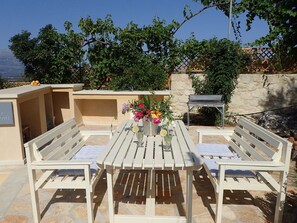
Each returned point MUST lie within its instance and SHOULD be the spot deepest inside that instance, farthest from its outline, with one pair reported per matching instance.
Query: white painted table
(123, 153)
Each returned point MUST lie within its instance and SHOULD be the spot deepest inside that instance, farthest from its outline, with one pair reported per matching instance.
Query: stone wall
(254, 92)
(181, 88)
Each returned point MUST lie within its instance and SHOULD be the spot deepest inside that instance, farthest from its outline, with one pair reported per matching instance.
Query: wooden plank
(129, 159)
(153, 219)
(140, 154)
(54, 135)
(58, 143)
(260, 132)
(102, 156)
(249, 149)
(113, 147)
(236, 149)
(193, 151)
(67, 148)
(148, 161)
(176, 152)
(251, 139)
(60, 128)
(283, 146)
(123, 148)
(150, 194)
(159, 161)
(74, 150)
(186, 153)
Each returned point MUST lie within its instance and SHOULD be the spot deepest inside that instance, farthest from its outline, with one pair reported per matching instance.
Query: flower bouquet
(151, 111)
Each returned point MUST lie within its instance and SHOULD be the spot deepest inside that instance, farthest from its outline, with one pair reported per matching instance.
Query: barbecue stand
(214, 101)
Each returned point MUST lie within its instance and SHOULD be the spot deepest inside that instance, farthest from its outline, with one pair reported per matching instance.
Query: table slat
(129, 159)
(149, 153)
(186, 153)
(193, 150)
(103, 155)
(159, 161)
(123, 149)
(117, 144)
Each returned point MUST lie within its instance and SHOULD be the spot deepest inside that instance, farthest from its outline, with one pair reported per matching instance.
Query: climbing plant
(222, 61)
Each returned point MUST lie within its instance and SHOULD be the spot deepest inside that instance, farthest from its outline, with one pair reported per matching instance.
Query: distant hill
(10, 67)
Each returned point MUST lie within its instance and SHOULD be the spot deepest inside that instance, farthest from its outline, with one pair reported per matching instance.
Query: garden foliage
(222, 61)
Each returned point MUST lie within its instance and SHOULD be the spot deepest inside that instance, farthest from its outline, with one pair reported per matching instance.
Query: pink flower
(156, 120)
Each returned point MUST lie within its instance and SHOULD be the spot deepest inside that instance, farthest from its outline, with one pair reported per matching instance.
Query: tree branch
(93, 40)
(187, 18)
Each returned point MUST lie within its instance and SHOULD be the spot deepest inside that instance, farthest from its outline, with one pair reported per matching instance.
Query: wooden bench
(257, 160)
(59, 159)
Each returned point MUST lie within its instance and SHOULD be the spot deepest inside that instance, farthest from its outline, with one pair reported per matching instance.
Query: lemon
(135, 128)
(163, 132)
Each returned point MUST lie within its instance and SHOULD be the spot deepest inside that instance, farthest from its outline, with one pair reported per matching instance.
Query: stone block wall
(254, 92)
(181, 88)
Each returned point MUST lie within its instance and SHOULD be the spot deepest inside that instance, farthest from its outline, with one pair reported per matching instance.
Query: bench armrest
(61, 164)
(251, 165)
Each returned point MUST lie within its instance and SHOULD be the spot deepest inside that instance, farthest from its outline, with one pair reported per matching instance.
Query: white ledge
(16, 92)
(110, 92)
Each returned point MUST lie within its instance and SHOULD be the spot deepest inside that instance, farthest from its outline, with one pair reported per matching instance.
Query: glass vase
(150, 128)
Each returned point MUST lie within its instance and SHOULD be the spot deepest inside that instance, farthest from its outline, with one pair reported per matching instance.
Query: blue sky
(31, 15)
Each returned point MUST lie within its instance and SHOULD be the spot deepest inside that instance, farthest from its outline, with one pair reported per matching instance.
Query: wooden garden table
(124, 153)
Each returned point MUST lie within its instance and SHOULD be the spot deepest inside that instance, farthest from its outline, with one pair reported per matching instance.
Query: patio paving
(69, 206)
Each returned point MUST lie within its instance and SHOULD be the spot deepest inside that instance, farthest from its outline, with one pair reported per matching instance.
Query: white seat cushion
(88, 153)
(216, 150)
(214, 168)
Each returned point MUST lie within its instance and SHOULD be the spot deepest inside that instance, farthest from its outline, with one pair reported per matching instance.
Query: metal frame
(212, 101)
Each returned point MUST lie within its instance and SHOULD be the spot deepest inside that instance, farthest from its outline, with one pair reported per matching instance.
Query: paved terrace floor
(67, 206)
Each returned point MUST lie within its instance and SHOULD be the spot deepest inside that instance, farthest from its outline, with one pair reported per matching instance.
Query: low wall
(254, 92)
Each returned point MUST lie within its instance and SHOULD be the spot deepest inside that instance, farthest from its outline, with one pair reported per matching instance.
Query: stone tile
(3, 177)
(15, 219)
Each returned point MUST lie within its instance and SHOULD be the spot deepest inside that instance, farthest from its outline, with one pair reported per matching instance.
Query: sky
(32, 15)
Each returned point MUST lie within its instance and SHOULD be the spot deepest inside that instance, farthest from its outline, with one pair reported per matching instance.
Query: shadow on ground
(265, 203)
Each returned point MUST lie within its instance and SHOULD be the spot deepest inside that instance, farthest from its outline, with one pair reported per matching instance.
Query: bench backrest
(59, 143)
(252, 142)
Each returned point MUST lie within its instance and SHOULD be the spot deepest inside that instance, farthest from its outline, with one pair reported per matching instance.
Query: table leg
(150, 194)
(189, 191)
(109, 173)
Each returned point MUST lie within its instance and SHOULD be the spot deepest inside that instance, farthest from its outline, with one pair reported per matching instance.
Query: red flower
(148, 111)
(138, 114)
(141, 105)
